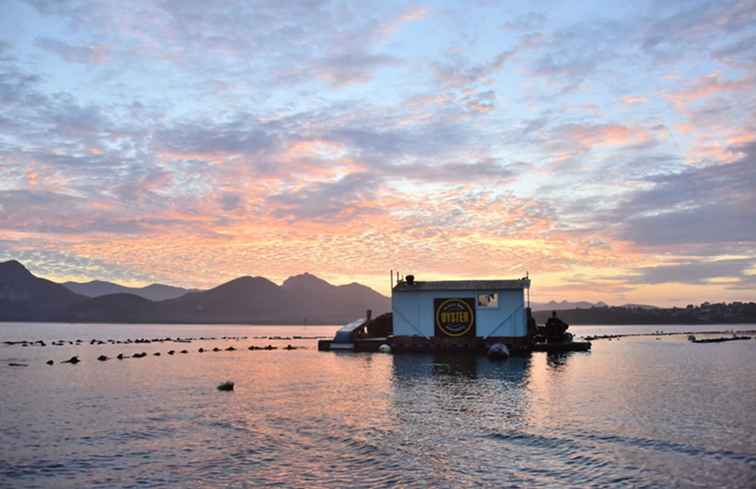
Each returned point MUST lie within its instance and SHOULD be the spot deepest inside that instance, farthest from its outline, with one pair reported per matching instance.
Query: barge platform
(423, 345)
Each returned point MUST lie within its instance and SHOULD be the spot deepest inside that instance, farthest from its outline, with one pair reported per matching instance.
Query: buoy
(498, 351)
(226, 386)
(384, 348)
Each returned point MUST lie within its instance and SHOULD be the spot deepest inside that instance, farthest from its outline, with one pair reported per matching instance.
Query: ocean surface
(636, 412)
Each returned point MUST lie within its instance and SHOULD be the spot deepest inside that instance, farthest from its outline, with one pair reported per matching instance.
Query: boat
(693, 339)
(344, 338)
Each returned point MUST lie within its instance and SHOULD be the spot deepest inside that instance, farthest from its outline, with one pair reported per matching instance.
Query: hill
(256, 300)
(121, 308)
(26, 297)
(706, 313)
(98, 288)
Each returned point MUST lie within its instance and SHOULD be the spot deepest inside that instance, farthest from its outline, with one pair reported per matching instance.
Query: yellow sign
(454, 317)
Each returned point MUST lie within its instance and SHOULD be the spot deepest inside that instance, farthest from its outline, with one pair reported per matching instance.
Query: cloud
(525, 22)
(700, 272)
(458, 72)
(231, 201)
(740, 53)
(488, 171)
(695, 24)
(586, 136)
(634, 99)
(243, 136)
(50, 212)
(352, 67)
(291, 130)
(570, 56)
(341, 200)
(412, 14)
(75, 54)
(699, 205)
(707, 86)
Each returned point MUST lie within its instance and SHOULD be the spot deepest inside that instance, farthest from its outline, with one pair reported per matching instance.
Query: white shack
(460, 309)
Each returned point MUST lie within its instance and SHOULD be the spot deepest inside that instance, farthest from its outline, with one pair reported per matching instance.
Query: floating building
(459, 312)
(456, 315)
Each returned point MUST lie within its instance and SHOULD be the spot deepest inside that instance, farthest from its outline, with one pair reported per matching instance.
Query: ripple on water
(309, 419)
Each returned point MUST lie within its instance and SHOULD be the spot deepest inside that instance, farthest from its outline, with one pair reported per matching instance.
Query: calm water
(638, 412)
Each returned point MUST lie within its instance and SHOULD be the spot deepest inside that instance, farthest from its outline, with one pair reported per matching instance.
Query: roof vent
(410, 279)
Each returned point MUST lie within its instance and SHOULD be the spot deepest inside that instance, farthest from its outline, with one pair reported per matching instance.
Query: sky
(607, 149)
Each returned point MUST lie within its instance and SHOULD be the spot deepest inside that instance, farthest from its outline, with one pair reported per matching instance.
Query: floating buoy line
(168, 339)
(103, 358)
(660, 333)
(139, 341)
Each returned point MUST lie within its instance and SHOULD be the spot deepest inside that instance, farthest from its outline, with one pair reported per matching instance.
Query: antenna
(527, 276)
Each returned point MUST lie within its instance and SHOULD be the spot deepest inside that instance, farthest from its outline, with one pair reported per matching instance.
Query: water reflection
(558, 360)
(463, 368)
(628, 414)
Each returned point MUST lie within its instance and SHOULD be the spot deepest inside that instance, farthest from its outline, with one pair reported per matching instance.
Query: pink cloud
(587, 136)
(707, 86)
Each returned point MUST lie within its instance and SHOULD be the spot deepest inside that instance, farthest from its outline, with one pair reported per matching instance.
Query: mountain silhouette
(121, 308)
(307, 294)
(153, 292)
(25, 297)
(242, 300)
(301, 299)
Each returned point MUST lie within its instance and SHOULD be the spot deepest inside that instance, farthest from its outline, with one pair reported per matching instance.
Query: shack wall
(413, 313)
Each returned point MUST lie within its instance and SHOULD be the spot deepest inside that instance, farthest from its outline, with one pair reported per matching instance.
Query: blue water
(636, 412)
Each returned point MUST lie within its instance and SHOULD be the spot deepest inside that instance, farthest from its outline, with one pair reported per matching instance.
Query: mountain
(97, 288)
(300, 299)
(26, 297)
(313, 299)
(242, 300)
(560, 306)
(638, 306)
(121, 308)
(706, 313)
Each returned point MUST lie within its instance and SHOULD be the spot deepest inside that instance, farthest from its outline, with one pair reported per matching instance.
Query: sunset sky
(607, 148)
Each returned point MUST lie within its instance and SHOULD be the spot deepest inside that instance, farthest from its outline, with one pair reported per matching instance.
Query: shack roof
(404, 286)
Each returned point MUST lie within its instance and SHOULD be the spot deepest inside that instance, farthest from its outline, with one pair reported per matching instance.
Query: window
(488, 300)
